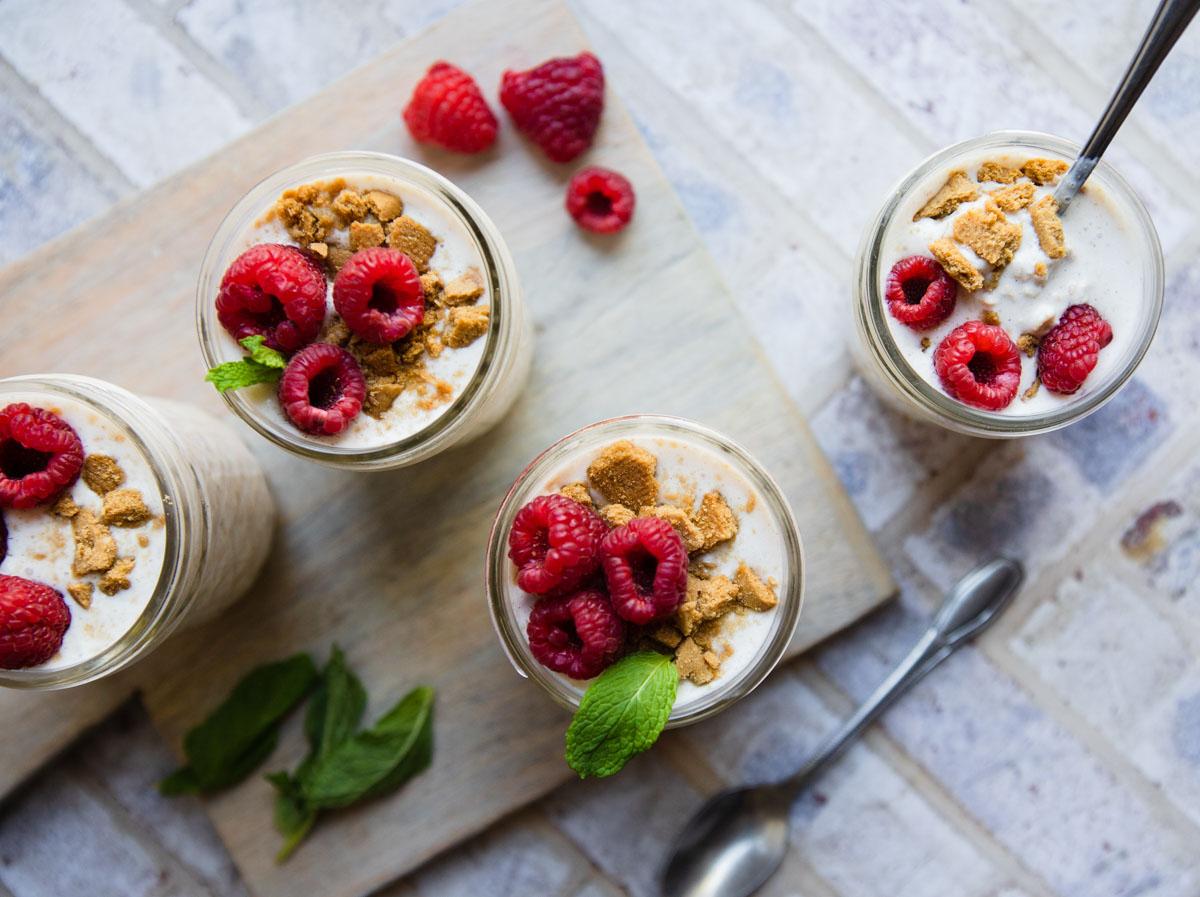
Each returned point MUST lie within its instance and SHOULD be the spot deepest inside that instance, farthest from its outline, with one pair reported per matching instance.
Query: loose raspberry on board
(557, 105)
(600, 200)
(447, 109)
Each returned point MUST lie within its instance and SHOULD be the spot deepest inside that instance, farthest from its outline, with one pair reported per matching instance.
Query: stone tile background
(1059, 756)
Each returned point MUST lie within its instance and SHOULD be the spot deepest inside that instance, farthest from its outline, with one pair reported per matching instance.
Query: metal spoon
(737, 840)
(1170, 20)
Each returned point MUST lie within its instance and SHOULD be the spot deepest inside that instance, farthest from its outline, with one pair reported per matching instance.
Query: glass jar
(502, 369)
(890, 373)
(504, 596)
(217, 515)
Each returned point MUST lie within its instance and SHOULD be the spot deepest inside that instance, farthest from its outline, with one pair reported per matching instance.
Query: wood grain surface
(390, 565)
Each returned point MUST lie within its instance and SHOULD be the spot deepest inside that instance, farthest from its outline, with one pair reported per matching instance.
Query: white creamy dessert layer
(1102, 267)
(41, 545)
(456, 254)
(690, 468)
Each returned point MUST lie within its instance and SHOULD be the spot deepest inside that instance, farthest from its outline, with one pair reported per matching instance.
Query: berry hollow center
(914, 289)
(18, 461)
(599, 203)
(565, 635)
(325, 389)
(383, 299)
(983, 367)
(643, 565)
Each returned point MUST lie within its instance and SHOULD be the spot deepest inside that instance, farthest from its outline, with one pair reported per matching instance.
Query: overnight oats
(646, 534)
(980, 308)
(361, 311)
(120, 518)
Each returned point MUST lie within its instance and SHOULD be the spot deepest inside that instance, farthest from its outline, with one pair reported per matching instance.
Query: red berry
(578, 635)
(40, 455)
(3, 539)
(448, 110)
(979, 365)
(645, 565)
(555, 543)
(276, 292)
(558, 104)
(33, 618)
(322, 389)
(378, 293)
(920, 293)
(600, 200)
(1069, 352)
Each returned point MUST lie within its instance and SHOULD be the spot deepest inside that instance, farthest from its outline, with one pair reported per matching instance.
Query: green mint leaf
(237, 374)
(264, 355)
(241, 733)
(396, 748)
(622, 713)
(292, 817)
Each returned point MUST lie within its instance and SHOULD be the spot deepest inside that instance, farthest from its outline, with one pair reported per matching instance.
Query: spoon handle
(973, 603)
(1170, 20)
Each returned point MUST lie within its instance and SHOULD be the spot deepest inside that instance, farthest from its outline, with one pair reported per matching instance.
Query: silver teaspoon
(737, 840)
(1170, 20)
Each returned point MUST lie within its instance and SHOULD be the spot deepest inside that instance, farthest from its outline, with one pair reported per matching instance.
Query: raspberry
(578, 635)
(33, 618)
(3, 539)
(555, 543)
(645, 564)
(979, 365)
(448, 110)
(920, 293)
(40, 455)
(378, 293)
(322, 389)
(600, 200)
(1069, 352)
(276, 292)
(558, 104)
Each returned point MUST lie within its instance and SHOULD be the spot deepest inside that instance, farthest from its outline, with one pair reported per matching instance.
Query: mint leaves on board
(342, 766)
(622, 713)
(262, 365)
(237, 736)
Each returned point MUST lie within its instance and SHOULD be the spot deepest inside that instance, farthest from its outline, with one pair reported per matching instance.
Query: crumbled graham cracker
(65, 507)
(413, 239)
(441, 392)
(752, 591)
(681, 522)
(379, 363)
(124, 507)
(997, 173)
(925, 343)
(335, 331)
(350, 206)
(431, 284)
(102, 474)
(463, 290)
(625, 475)
(1014, 198)
(989, 316)
(95, 548)
(1033, 389)
(117, 578)
(704, 600)
(1039, 270)
(365, 235)
(956, 264)
(957, 189)
(992, 236)
(81, 592)
(616, 515)
(1044, 171)
(143, 540)
(689, 661)
(1048, 227)
(667, 635)
(465, 325)
(1028, 343)
(714, 520)
(433, 345)
(577, 492)
(321, 249)
(338, 256)
(386, 206)
(380, 398)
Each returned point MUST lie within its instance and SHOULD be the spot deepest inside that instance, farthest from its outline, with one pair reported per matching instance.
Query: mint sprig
(622, 713)
(262, 365)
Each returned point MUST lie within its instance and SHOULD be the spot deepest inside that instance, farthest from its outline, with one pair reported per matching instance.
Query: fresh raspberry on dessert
(378, 293)
(600, 200)
(33, 618)
(578, 635)
(645, 564)
(1069, 352)
(555, 543)
(447, 109)
(322, 389)
(558, 104)
(979, 365)
(920, 293)
(40, 455)
(273, 291)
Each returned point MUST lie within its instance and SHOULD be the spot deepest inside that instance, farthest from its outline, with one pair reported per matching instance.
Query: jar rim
(767, 491)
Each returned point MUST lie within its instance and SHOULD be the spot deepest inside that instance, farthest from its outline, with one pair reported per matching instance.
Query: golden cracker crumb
(997, 173)
(95, 548)
(125, 508)
(1039, 270)
(992, 236)
(465, 325)
(81, 592)
(338, 256)
(989, 316)
(1048, 227)
(350, 206)
(625, 475)
(1014, 198)
(335, 331)
(680, 521)
(463, 290)
(321, 249)
(957, 189)
(752, 591)
(386, 206)
(380, 398)
(1044, 171)
(143, 540)
(1033, 389)
(65, 507)
(577, 492)
(102, 474)
(616, 515)
(413, 239)
(667, 635)
(1028, 343)
(714, 520)
(689, 661)
(365, 235)
(117, 578)
(956, 264)
(925, 343)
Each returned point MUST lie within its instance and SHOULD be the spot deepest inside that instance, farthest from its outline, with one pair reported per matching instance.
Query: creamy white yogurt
(1103, 267)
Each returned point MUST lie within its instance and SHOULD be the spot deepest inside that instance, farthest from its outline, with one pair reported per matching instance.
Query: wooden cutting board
(390, 565)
